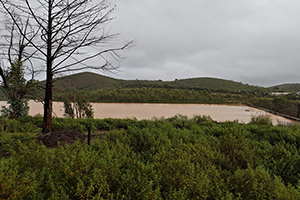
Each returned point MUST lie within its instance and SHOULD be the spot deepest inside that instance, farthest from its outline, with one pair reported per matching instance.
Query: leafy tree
(17, 87)
(69, 112)
(78, 107)
(67, 35)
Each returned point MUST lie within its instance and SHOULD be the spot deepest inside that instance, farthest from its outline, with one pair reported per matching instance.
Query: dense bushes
(176, 158)
(261, 119)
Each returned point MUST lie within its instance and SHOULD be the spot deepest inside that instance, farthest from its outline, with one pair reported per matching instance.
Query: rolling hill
(83, 81)
(288, 87)
(90, 81)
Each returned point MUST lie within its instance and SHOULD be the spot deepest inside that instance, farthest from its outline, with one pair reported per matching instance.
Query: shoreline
(218, 112)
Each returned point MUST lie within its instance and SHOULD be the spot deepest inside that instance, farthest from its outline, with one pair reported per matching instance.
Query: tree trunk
(47, 123)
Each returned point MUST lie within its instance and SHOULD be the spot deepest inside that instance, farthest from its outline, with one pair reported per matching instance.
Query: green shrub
(67, 124)
(261, 120)
(153, 159)
(258, 184)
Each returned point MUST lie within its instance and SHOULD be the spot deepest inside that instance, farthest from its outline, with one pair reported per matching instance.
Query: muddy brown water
(140, 111)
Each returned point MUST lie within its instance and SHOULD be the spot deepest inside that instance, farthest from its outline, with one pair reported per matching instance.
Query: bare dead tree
(72, 37)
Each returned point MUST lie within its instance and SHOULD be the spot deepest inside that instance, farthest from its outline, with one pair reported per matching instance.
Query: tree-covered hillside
(292, 87)
(90, 82)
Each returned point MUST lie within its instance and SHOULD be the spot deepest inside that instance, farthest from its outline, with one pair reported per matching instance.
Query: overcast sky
(252, 41)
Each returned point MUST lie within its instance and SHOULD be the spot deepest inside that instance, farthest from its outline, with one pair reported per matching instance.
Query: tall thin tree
(72, 37)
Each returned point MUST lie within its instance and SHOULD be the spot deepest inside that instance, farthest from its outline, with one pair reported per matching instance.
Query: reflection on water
(148, 111)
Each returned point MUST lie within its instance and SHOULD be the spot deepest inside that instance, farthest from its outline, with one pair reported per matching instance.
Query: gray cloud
(253, 41)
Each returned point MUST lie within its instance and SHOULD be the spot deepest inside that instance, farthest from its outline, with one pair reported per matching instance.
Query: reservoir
(141, 111)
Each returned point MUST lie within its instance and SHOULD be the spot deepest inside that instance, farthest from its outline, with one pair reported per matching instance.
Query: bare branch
(18, 24)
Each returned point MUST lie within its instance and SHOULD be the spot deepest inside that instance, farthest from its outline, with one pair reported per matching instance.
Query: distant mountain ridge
(287, 87)
(89, 81)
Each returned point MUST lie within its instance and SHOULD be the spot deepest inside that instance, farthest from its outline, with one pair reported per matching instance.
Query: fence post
(89, 134)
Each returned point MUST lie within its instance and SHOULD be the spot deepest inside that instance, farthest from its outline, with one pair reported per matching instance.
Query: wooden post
(89, 134)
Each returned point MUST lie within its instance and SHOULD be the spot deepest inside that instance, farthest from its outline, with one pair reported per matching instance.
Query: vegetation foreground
(175, 158)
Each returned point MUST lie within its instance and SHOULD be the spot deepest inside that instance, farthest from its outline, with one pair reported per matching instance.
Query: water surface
(140, 111)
